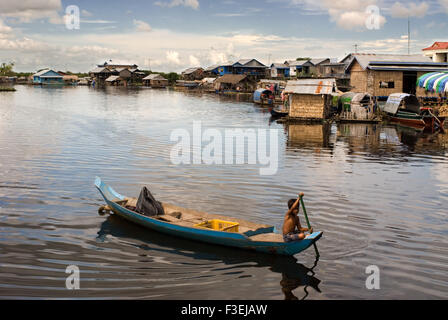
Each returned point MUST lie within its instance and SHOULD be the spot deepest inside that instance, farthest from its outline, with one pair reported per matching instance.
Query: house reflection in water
(367, 140)
(309, 136)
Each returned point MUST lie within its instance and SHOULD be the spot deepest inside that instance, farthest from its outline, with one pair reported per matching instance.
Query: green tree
(6, 69)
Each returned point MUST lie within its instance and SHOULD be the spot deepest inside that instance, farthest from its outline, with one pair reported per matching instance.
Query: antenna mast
(409, 36)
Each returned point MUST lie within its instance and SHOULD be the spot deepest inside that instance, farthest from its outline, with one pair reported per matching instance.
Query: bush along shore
(7, 89)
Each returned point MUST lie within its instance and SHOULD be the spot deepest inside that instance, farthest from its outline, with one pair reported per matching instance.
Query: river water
(378, 192)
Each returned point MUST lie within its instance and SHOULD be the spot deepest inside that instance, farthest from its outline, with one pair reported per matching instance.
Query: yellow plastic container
(219, 225)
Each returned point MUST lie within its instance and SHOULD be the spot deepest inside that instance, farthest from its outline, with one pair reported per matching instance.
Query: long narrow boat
(406, 109)
(182, 222)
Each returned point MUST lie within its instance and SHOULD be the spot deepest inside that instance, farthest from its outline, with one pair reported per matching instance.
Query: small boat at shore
(195, 225)
(405, 109)
(279, 112)
(264, 97)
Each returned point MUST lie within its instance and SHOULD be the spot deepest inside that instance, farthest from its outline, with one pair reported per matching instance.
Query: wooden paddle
(301, 195)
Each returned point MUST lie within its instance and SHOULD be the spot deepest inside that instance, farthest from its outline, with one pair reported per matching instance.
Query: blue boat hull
(238, 240)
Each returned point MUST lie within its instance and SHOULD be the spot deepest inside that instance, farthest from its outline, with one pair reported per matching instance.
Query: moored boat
(194, 225)
(264, 97)
(279, 112)
(406, 109)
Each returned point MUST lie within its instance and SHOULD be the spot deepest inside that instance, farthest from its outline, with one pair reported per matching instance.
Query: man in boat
(292, 229)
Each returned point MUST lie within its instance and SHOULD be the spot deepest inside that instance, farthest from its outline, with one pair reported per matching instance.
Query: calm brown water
(379, 193)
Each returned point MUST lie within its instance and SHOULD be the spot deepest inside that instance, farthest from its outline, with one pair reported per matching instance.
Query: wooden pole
(304, 210)
(308, 221)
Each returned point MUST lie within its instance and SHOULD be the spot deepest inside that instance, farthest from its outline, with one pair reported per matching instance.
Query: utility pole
(409, 36)
(269, 59)
(356, 48)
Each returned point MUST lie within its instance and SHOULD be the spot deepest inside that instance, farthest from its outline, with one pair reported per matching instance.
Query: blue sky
(170, 35)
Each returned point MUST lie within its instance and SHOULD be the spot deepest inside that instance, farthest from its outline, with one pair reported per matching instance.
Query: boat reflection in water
(188, 252)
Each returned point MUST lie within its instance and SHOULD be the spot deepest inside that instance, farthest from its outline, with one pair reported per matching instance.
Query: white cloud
(347, 14)
(194, 61)
(86, 13)
(91, 51)
(142, 26)
(29, 10)
(399, 10)
(175, 3)
(5, 31)
(23, 45)
(173, 57)
(98, 21)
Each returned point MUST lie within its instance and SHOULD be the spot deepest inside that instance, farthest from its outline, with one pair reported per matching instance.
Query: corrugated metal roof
(366, 59)
(112, 78)
(191, 70)
(279, 66)
(253, 63)
(231, 78)
(393, 102)
(100, 70)
(406, 68)
(154, 76)
(294, 63)
(243, 61)
(319, 60)
(42, 72)
(311, 86)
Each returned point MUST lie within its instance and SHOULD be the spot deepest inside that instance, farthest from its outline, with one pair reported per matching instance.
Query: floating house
(192, 74)
(207, 84)
(438, 52)
(316, 63)
(333, 70)
(356, 106)
(384, 74)
(279, 70)
(249, 67)
(155, 81)
(234, 82)
(310, 99)
(69, 79)
(116, 81)
(48, 77)
(219, 69)
(128, 73)
(99, 75)
(297, 67)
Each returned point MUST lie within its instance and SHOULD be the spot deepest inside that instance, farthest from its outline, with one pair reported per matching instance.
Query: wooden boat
(181, 222)
(279, 112)
(406, 109)
(262, 96)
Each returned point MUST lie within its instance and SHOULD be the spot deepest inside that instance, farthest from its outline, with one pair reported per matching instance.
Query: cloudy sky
(170, 35)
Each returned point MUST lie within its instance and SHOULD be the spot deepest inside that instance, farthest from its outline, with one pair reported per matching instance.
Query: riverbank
(7, 89)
